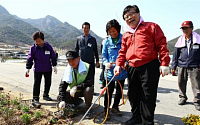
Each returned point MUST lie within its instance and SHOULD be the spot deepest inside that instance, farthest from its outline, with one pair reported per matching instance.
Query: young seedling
(25, 108)
(7, 112)
(38, 114)
(15, 101)
(26, 118)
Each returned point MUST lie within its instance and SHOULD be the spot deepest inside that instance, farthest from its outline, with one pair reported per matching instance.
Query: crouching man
(78, 76)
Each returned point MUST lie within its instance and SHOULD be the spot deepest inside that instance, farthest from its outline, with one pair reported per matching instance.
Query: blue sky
(169, 14)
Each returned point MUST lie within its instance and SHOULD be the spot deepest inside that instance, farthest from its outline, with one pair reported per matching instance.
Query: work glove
(108, 65)
(164, 70)
(55, 69)
(27, 72)
(73, 91)
(61, 105)
(173, 72)
(117, 70)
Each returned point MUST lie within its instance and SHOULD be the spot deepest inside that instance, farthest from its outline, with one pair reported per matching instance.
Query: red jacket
(144, 46)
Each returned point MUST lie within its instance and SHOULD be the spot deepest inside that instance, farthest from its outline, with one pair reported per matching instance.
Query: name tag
(47, 52)
(113, 47)
(195, 46)
(89, 44)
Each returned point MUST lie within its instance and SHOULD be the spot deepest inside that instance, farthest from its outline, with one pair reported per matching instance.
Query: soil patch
(16, 111)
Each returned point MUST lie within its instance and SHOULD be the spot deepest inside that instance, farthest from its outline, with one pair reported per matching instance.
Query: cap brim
(70, 58)
(185, 26)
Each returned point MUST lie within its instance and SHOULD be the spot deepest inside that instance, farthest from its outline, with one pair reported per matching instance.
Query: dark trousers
(118, 94)
(37, 82)
(87, 93)
(92, 67)
(142, 90)
(194, 74)
(102, 73)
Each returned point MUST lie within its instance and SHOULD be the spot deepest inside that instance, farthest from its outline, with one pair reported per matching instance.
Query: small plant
(4, 98)
(20, 106)
(70, 111)
(15, 101)
(69, 122)
(191, 119)
(7, 112)
(38, 114)
(4, 102)
(25, 108)
(53, 120)
(26, 118)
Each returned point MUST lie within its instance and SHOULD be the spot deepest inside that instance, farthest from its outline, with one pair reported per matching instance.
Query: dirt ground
(47, 109)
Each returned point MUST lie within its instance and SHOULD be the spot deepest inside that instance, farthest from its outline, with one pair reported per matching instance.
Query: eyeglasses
(130, 14)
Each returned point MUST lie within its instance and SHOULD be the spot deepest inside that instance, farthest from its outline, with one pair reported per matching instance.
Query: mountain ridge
(3, 11)
(62, 31)
(58, 34)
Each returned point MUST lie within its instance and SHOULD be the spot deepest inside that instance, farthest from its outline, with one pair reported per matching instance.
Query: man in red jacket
(141, 45)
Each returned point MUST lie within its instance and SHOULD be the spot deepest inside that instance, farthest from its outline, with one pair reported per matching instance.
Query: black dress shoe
(182, 102)
(133, 121)
(47, 98)
(197, 107)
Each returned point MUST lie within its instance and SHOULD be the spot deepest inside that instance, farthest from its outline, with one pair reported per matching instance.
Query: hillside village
(8, 51)
(12, 51)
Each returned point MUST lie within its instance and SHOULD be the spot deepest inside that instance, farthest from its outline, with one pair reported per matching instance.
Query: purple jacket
(44, 58)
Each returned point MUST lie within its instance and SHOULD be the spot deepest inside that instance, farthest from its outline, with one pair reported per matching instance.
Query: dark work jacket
(87, 50)
(88, 82)
(182, 59)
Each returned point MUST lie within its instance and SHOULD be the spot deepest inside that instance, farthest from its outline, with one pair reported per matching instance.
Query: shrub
(26, 118)
(15, 101)
(38, 114)
(25, 108)
(20, 106)
(7, 112)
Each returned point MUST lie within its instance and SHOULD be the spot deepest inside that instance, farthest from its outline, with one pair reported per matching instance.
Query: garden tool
(103, 90)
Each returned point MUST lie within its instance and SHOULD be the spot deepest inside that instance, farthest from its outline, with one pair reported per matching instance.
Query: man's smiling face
(132, 18)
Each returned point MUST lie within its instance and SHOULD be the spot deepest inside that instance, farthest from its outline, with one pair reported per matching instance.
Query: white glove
(62, 105)
(55, 69)
(73, 91)
(117, 70)
(164, 70)
(108, 65)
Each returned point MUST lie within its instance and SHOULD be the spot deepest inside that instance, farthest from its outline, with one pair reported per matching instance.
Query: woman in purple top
(43, 56)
